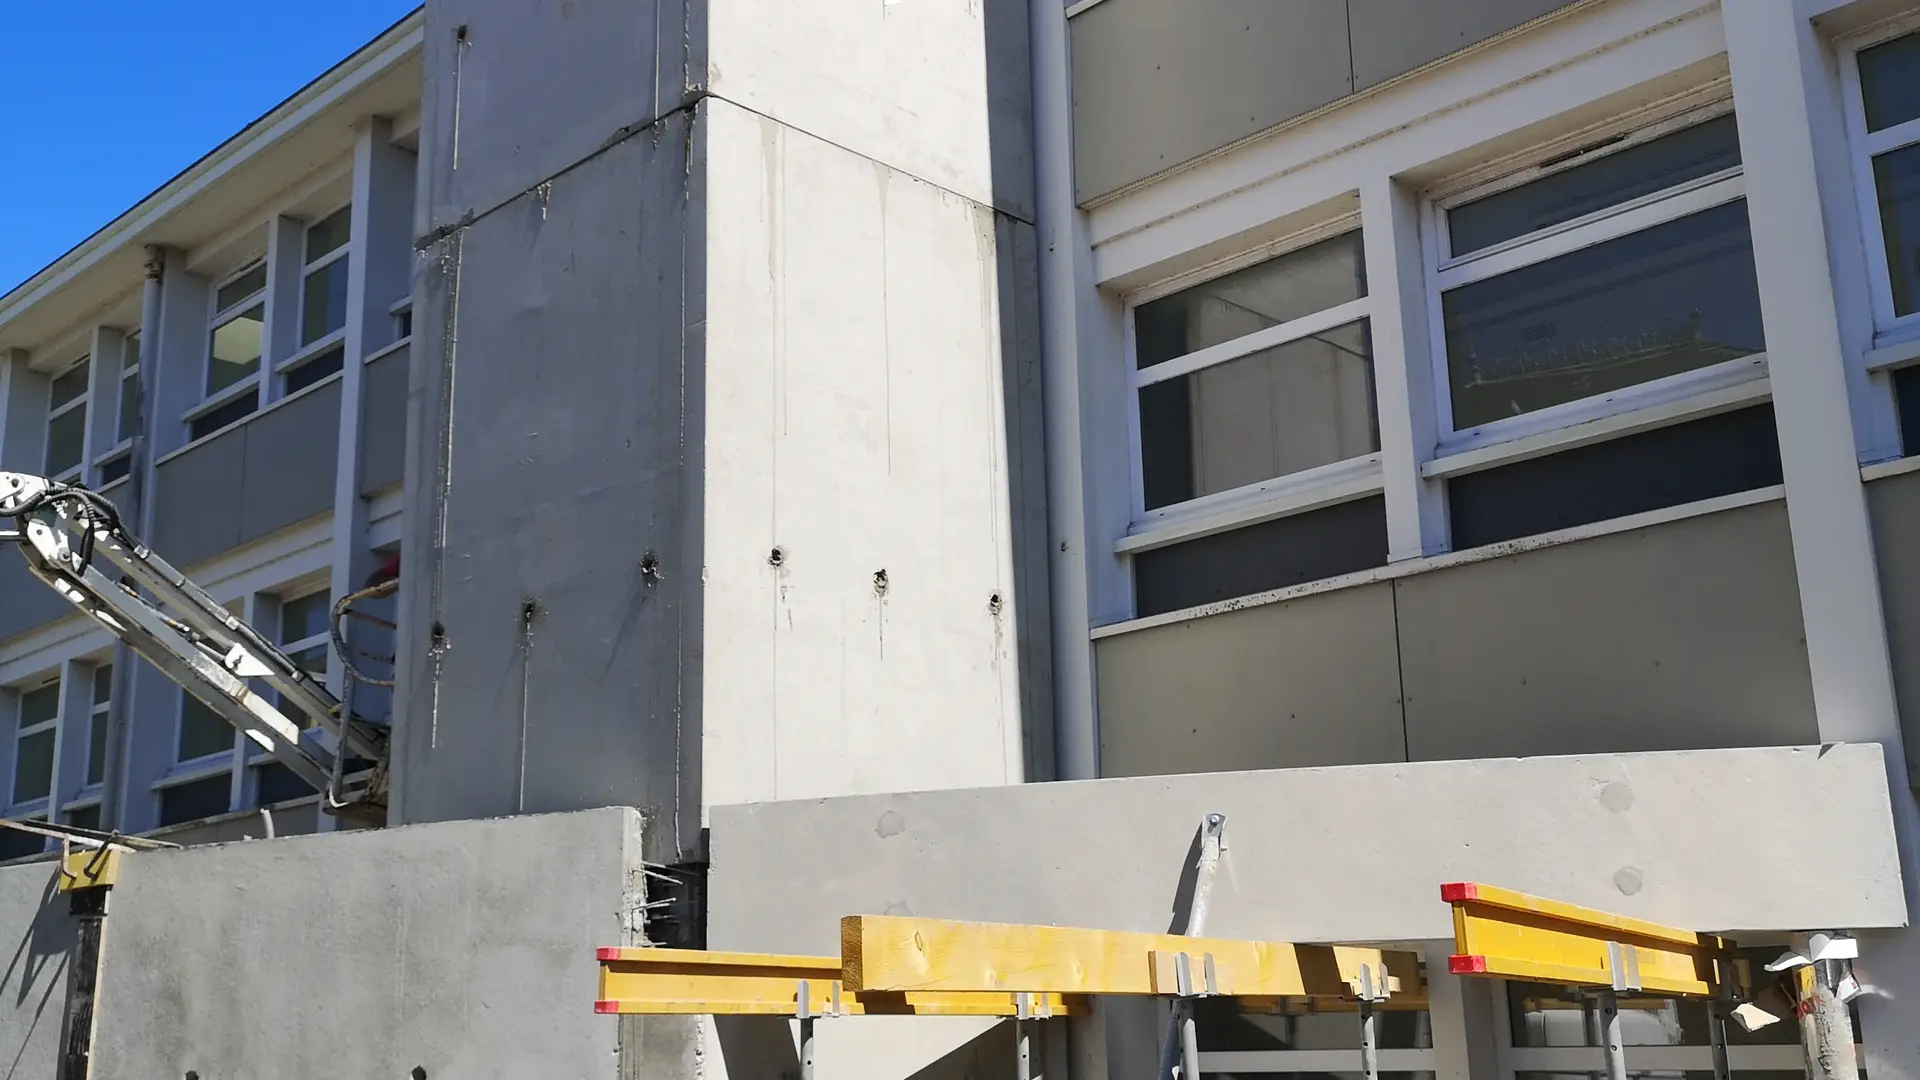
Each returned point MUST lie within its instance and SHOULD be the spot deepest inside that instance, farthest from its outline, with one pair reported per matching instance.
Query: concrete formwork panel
(1390, 37)
(1352, 853)
(1672, 637)
(37, 934)
(463, 948)
(1314, 681)
(939, 91)
(544, 667)
(872, 513)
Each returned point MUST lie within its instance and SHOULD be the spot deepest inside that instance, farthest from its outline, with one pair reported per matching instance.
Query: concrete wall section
(1391, 37)
(1314, 681)
(383, 428)
(865, 334)
(563, 500)
(939, 91)
(37, 934)
(465, 949)
(1352, 853)
(1674, 637)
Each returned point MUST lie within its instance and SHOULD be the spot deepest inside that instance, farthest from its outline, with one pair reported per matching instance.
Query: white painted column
(1780, 77)
(70, 735)
(280, 329)
(103, 398)
(23, 413)
(1402, 369)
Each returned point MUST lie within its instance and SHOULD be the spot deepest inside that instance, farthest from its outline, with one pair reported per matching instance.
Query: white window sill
(308, 352)
(89, 796)
(227, 395)
(30, 808)
(198, 769)
(1296, 493)
(405, 303)
(1881, 470)
(114, 452)
(1410, 567)
(1896, 352)
(385, 349)
(250, 417)
(112, 485)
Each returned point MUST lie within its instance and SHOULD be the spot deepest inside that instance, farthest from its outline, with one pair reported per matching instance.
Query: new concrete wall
(1353, 853)
(37, 936)
(464, 949)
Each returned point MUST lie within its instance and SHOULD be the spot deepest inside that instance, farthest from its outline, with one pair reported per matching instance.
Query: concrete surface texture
(1352, 853)
(37, 934)
(462, 948)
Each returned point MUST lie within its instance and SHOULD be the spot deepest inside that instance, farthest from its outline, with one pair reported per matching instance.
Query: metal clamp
(1183, 976)
(1623, 963)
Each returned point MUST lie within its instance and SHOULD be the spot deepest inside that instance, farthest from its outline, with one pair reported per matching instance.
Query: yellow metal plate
(1498, 932)
(86, 868)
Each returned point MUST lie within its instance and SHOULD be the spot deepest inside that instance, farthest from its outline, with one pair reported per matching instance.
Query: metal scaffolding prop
(936, 967)
(1505, 934)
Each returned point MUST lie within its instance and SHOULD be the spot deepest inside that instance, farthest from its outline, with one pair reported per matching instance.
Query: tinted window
(1890, 82)
(202, 731)
(1271, 555)
(199, 799)
(235, 350)
(241, 287)
(33, 766)
(329, 233)
(1896, 181)
(318, 368)
(70, 384)
(238, 409)
(323, 302)
(1279, 290)
(64, 440)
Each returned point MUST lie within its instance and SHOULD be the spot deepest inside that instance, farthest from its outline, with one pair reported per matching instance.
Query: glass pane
(33, 767)
(202, 798)
(304, 617)
(403, 324)
(86, 817)
(116, 469)
(1279, 290)
(329, 233)
(235, 353)
(1890, 81)
(316, 369)
(102, 684)
(238, 409)
(70, 384)
(242, 287)
(129, 422)
(97, 748)
(1654, 165)
(1678, 296)
(40, 706)
(64, 435)
(313, 661)
(202, 732)
(1896, 177)
(323, 303)
(15, 844)
(1267, 414)
(130, 353)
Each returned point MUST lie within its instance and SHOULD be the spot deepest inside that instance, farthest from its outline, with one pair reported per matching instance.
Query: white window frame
(309, 267)
(55, 412)
(122, 441)
(1862, 148)
(21, 731)
(217, 318)
(1263, 500)
(257, 755)
(1661, 402)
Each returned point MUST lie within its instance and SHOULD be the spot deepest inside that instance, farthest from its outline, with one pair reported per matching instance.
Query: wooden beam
(697, 983)
(1499, 932)
(881, 952)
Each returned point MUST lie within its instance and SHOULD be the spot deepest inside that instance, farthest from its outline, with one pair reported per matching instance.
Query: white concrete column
(70, 735)
(23, 413)
(280, 330)
(178, 379)
(1463, 1013)
(103, 398)
(1780, 77)
(1402, 369)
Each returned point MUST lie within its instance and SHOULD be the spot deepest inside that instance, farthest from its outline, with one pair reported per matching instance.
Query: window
(203, 733)
(1608, 272)
(312, 371)
(33, 744)
(97, 724)
(195, 800)
(1886, 121)
(303, 637)
(323, 291)
(233, 351)
(67, 421)
(118, 460)
(1259, 374)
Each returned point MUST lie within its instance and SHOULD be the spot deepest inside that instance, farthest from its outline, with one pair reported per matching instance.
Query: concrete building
(1487, 422)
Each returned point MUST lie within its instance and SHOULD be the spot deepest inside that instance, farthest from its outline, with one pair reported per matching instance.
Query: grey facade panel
(1392, 37)
(197, 497)
(1313, 681)
(1678, 636)
(1895, 505)
(532, 90)
(292, 456)
(383, 422)
(568, 467)
(1156, 84)
(25, 600)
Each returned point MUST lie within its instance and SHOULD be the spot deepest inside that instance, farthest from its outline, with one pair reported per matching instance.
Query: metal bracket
(1623, 963)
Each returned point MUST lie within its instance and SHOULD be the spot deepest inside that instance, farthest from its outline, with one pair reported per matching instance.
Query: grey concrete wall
(273, 471)
(37, 936)
(466, 949)
(1895, 505)
(1352, 853)
(1154, 85)
(383, 423)
(1685, 635)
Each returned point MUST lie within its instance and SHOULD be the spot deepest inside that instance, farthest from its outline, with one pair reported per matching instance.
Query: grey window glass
(1279, 290)
(1277, 411)
(304, 617)
(64, 438)
(316, 369)
(1678, 296)
(313, 661)
(115, 468)
(86, 817)
(1896, 180)
(70, 384)
(323, 302)
(235, 350)
(129, 420)
(202, 732)
(102, 684)
(329, 233)
(1890, 82)
(233, 292)
(1654, 165)
(232, 412)
(40, 706)
(97, 748)
(33, 767)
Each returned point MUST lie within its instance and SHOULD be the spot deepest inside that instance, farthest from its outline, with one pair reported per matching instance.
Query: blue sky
(102, 101)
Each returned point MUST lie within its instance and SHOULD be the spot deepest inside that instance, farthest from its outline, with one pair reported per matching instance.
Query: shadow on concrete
(35, 974)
